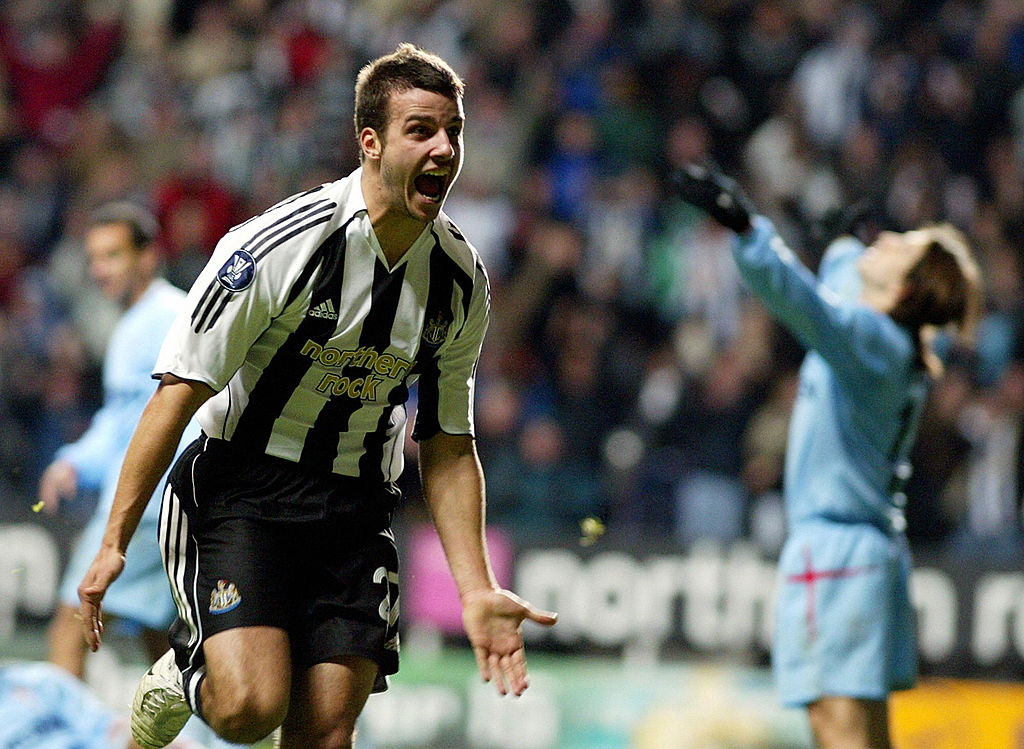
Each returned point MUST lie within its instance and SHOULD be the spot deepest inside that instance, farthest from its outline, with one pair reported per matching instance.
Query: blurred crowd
(627, 375)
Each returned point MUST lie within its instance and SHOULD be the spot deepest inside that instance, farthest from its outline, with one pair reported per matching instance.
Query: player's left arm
(862, 346)
(453, 485)
(84, 463)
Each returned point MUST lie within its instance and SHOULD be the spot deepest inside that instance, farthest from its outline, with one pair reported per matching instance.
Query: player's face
(116, 266)
(421, 153)
(886, 263)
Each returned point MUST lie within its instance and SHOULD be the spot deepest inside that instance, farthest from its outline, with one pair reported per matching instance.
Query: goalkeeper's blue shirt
(861, 391)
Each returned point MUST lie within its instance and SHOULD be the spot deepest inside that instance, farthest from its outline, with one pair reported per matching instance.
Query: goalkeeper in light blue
(845, 632)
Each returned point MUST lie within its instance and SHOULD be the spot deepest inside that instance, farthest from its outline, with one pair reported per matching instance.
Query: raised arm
(453, 484)
(150, 452)
(861, 345)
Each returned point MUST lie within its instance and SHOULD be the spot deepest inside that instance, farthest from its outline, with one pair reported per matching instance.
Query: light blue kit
(141, 593)
(844, 621)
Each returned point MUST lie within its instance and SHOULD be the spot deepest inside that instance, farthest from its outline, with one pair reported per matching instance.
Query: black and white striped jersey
(312, 340)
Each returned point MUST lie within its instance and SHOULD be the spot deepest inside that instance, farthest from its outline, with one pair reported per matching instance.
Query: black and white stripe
(445, 276)
(280, 378)
(444, 286)
(181, 563)
(320, 447)
(314, 360)
(213, 301)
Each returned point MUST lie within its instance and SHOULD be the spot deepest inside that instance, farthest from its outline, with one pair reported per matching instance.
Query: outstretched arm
(149, 453)
(454, 488)
(860, 346)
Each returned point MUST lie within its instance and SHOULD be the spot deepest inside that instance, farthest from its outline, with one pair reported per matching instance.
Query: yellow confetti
(591, 529)
(38, 506)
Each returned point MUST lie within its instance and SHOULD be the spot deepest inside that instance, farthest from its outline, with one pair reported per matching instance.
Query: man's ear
(370, 143)
(151, 257)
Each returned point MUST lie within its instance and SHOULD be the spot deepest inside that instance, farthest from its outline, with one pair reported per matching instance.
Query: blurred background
(632, 397)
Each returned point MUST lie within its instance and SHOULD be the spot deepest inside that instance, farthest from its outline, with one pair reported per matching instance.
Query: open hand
(492, 619)
(104, 569)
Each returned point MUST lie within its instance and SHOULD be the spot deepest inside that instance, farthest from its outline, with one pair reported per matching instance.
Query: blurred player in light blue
(845, 633)
(43, 707)
(123, 262)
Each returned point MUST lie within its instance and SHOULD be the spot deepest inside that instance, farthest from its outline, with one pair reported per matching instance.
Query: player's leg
(347, 640)
(67, 647)
(326, 700)
(245, 693)
(230, 661)
(848, 723)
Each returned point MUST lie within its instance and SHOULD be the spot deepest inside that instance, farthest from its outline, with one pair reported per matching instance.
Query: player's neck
(395, 234)
(134, 294)
(396, 230)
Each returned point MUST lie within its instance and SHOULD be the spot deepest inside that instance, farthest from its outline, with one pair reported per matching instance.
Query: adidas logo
(325, 309)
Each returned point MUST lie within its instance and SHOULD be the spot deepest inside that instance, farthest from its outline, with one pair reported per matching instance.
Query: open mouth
(430, 185)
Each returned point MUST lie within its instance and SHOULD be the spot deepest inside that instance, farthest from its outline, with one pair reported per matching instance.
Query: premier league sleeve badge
(238, 272)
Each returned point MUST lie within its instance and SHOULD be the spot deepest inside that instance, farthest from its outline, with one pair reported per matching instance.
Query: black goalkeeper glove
(715, 193)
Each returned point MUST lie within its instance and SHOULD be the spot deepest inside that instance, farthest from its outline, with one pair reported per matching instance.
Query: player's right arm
(150, 452)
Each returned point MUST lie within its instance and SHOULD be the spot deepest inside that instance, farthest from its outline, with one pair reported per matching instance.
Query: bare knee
(327, 699)
(848, 723)
(243, 713)
(245, 694)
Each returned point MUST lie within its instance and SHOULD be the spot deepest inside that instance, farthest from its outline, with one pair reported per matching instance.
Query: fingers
(494, 664)
(96, 631)
(493, 625)
(91, 611)
(482, 662)
(547, 618)
(59, 482)
(509, 672)
(715, 193)
(92, 624)
(49, 497)
(515, 672)
(105, 568)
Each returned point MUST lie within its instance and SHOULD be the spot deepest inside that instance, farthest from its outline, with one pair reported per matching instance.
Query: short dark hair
(942, 290)
(408, 67)
(142, 225)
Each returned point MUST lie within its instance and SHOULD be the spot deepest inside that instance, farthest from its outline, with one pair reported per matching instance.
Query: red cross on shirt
(810, 576)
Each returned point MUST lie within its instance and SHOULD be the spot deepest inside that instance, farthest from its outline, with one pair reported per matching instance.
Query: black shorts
(256, 541)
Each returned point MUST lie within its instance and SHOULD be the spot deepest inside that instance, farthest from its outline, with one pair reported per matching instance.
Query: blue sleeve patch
(238, 272)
